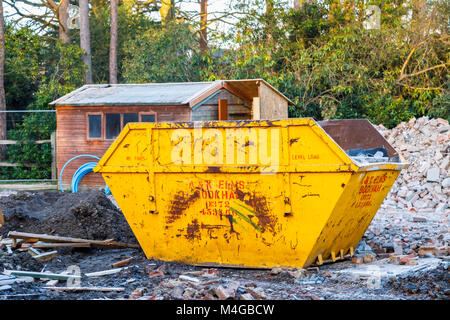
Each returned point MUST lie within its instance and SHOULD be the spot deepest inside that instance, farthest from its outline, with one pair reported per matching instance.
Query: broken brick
(224, 293)
(156, 273)
(425, 250)
(357, 260)
(368, 258)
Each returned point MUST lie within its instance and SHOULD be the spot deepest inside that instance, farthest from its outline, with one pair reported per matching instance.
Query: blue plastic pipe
(80, 173)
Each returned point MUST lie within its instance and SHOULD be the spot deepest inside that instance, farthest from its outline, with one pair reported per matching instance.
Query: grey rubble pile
(425, 185)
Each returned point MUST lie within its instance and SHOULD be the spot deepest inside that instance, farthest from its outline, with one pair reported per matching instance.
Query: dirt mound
(20, 261)
(86, 214)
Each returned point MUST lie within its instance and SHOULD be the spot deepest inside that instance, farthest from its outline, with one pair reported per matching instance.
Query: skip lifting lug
(153, 208)
(288, 210)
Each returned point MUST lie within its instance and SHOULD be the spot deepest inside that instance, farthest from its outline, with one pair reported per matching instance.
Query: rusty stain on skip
(180, 203)
(193, 231)
(261, 210)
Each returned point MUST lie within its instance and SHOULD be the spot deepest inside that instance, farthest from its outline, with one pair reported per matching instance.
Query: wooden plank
(48, 238)
(238, 92)
(223, 109)
(7, 164)
(104, 272)
(28, 187)
(40, 275)
(101, 289)
(122, 263)
(9, 142)
(34, 252)
(272, 105)
(256, 108)
(47, 256)
(61, 245)
(52, 283)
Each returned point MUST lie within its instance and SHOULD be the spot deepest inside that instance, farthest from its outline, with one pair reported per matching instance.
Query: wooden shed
(91, 117)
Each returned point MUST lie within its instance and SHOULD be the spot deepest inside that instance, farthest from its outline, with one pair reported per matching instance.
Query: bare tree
(269, 5)
(113, 43)
(167, 10)
(85, 39)
(419, 20)
(63, 16)
(203, 25)
(2, 87)
(55, 15)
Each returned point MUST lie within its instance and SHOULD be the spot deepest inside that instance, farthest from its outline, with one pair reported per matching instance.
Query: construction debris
(33, 252)
(52, 283)
(57, 239)
(101, 289)
(122, 263)
(425, 145)
(104, 272)
(61, 245)
(190, 279)
(40, 275)
(46, 256)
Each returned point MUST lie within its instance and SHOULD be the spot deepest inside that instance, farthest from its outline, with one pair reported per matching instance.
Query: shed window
(130, 117)
(147, 118)
(95, 126)
(112, 125)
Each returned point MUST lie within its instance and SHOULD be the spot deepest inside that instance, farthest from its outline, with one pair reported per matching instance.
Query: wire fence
(18, 149)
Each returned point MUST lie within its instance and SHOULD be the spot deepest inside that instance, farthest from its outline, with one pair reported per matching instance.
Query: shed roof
(178, 93)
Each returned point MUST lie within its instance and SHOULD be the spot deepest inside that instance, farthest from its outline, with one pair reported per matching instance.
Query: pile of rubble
(425, 185)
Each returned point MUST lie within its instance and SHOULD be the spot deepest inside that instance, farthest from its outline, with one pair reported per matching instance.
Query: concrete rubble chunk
(246, 296)
(276, 270)
(224, 293)
(425, 144)
(5, 287)
(446, 183)
(433, 174)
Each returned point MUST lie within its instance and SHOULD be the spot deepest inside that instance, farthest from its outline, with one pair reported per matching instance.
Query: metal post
(53, 143)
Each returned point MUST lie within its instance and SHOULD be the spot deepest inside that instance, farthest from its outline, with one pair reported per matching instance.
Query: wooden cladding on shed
(223, 109)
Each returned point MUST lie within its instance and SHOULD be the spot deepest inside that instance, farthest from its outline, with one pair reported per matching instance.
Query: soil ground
(91, 215)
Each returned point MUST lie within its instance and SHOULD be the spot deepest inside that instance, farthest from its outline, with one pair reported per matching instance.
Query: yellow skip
(248, 193)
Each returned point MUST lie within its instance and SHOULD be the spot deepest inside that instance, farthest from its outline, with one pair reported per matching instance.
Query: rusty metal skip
(250, 193)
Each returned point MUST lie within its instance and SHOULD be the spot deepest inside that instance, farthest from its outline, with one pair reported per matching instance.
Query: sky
(215, 8)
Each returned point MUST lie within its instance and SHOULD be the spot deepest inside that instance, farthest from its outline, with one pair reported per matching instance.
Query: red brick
(368, 258)
(424, 250)
(404, 260)
(357, 260)
(156, 273)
